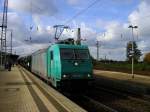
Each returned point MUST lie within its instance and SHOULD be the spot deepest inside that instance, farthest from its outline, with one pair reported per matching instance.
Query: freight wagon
(25, 61)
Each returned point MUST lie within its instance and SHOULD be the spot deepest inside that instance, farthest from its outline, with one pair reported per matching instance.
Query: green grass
(140, 68)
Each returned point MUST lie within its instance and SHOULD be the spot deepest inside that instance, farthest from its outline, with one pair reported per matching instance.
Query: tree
(147, 57)
(136, 52)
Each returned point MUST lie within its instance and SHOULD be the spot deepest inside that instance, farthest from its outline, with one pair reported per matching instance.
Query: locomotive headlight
(64, 76)
(76, 64)
(89, 75)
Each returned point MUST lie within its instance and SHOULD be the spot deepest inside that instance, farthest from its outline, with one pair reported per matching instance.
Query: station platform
(138, 84)
(20, 91)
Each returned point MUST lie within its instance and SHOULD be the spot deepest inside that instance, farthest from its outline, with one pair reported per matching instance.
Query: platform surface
(18, 93)
(138, 79)
(14, 94)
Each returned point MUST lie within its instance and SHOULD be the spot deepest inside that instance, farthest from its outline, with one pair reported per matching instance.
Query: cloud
(73, 2)
(30, 48)
(113, 35)
(36, 7)
(88, 34)
(117, 34)
(140, 17)
(16, 23)
(21, 33)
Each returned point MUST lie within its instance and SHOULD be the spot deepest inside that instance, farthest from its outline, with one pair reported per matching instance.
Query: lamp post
(132, 27)
(97, 45)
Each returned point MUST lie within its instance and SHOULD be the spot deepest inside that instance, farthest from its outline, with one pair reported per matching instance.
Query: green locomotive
(63, 64)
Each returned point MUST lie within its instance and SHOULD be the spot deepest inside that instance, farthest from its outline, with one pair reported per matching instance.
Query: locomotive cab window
(51, 53)
(74, 53)
(82, 54)
(67, 53)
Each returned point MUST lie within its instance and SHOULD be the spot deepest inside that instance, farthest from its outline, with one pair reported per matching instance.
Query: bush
(147, 58)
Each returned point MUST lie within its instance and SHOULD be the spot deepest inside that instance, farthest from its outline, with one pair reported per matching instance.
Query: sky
(105, 21)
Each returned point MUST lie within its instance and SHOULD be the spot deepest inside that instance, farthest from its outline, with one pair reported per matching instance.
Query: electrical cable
(82, 11)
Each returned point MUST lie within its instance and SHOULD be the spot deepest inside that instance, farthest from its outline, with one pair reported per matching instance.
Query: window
(74, 53)
(82, 54)
(51, 53)
(67, 54)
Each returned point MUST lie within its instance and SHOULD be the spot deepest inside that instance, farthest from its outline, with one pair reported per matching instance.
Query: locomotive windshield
(67, 54)
(74, 54)
(81, 54)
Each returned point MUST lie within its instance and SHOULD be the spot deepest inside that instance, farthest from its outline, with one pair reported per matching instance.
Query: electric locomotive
(64, 64)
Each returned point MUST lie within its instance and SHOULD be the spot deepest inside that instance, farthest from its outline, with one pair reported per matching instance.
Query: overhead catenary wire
(82, 11)
(89, 6)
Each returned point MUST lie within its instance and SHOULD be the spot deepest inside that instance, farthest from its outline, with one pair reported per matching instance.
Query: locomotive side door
(51, 63)
(48, 64)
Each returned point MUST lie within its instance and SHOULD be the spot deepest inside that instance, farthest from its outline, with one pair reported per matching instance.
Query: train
(25, 61)
(63, 64)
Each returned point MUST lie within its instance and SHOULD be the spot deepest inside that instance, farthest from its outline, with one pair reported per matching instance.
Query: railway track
(110, 101)
(89, 104)
(144, 98)
(99, 106)
(100, 99)
(120, 101)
